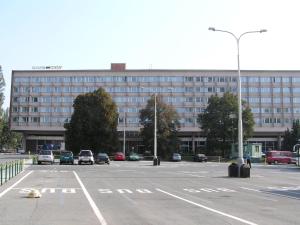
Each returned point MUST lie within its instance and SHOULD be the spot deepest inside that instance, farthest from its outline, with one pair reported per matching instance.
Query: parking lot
(139, 193)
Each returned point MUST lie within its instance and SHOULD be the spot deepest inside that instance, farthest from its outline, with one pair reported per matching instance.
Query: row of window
(272, 100)
(136, 120)
(143, 99)
(42, 109)
(137, 89)
(134, 89)
(54, 109)
(140, 79)
(270, 90)
(45, 99)
(42, 119)
(159, 78)
(269, 79)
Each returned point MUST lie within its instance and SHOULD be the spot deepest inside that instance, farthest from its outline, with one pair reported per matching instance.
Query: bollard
(1, 171)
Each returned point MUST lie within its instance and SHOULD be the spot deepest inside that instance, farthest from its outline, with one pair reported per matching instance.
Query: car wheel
(79, 163)
(92, 163)
(39, 163)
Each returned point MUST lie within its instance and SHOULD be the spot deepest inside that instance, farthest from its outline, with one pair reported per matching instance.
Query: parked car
(119, 156)
(102, 158)
(66, 157)
(86, 156)
(133, 157)
(200, 158)
(295, 159)
(45, 156)
(176, 157)
(279, 157)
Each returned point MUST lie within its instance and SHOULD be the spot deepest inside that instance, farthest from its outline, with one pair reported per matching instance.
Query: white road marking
(207, 208)
(91, 201)
(15, 184)
(250, 189)
(256, 196)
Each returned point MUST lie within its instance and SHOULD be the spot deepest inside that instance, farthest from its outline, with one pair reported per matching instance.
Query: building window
(189, 79)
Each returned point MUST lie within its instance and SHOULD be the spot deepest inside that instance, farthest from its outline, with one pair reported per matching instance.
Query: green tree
(8, 139)
(219, 123)
(291, 137)
(2, 85)
(93, 123)
(167, 127)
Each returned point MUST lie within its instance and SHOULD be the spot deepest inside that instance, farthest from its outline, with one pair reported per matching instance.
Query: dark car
(66, 157)
(200, 158)
(102, 158)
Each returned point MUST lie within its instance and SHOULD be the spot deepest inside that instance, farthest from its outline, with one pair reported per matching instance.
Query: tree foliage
(219, 123)
(93, 123)
(8, 139)
(2, 85)
(291, 137)
(167, 127)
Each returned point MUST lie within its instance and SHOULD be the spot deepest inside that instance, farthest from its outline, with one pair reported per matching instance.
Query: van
(279, 157)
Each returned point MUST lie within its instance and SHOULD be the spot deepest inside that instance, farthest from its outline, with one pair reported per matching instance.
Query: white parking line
(15, 184)
(207, 208)
(91, 201)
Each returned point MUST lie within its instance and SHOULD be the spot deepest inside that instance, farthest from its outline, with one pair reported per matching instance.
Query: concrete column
(279, 142)
(24, 142)
(193, 144)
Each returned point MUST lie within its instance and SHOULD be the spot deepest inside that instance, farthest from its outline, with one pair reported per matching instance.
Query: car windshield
(85, 153)
(176, 154)
(45, 152)
(102, 155)
(66, 154)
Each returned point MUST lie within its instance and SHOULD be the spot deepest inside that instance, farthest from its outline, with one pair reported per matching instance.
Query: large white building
(41, 100)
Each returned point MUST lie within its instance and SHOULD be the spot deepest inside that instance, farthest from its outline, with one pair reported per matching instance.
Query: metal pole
(155, 128)
(124, 134)
(240, 159)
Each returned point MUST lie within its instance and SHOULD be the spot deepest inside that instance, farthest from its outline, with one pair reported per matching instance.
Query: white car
(86, 156)
(45, 156)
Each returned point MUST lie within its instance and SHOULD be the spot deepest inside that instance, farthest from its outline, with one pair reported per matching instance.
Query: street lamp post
(124, 134)
(155, 129)
(240, 159)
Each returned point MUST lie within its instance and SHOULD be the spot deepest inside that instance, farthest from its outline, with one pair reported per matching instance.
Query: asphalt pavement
(137, 193)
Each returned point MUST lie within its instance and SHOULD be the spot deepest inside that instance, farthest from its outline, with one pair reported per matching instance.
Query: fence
(10, 169)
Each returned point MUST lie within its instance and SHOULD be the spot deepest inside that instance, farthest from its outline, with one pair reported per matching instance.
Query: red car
(279, 157)
(119, 156)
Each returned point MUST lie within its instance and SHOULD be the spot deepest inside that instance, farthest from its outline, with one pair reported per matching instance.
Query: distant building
(41, 100)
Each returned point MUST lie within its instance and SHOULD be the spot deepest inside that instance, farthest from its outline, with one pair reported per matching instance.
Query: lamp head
(263, 30)
(212, 28)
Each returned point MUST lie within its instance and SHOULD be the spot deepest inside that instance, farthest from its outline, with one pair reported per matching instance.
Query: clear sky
(157, 34)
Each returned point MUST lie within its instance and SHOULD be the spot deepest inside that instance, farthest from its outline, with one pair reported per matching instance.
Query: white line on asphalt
(250, 189)
(207, 208)
(15, 184)
(91, 201)
(193, 175)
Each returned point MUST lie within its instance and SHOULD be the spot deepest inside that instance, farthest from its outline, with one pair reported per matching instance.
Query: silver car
(86, 156)
(45, 156)
(176, 157)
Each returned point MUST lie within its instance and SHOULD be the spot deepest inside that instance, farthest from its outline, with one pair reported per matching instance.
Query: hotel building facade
(41, 101)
